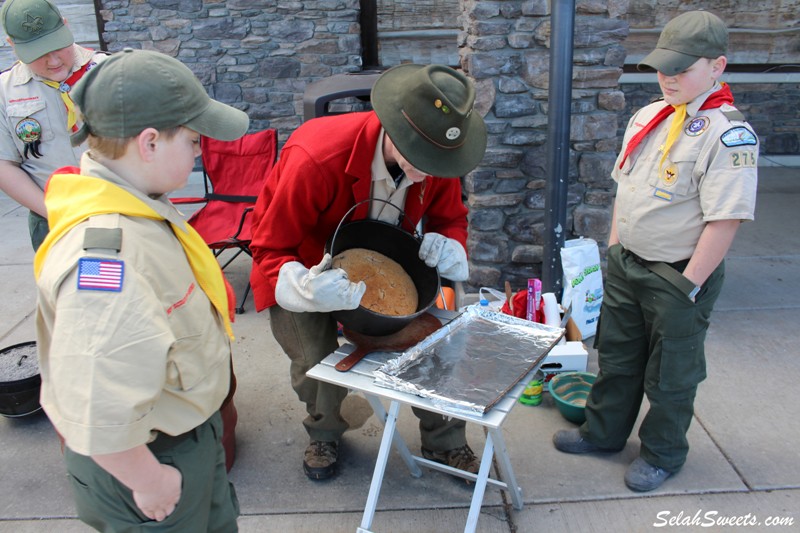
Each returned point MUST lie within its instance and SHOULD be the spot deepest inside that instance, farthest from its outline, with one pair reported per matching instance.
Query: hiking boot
(462, 458)
(319, 460)
(570, 441)
(641, 476)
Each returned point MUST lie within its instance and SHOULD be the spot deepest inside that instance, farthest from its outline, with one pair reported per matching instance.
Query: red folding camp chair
(233, 173)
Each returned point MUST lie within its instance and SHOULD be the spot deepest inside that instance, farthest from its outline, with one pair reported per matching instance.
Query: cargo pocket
(683, 362)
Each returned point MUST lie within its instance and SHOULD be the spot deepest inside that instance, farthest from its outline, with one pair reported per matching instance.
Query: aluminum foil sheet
(470, 364)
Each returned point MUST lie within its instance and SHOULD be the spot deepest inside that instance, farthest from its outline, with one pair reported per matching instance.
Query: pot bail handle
(350, 211)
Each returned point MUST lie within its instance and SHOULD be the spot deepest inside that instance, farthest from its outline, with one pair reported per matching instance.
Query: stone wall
(505, 49)
(257, 55)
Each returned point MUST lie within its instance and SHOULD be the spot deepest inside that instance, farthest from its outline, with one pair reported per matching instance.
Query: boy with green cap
(37, 114)
(133, 319)
(684, 186)
(423, 134)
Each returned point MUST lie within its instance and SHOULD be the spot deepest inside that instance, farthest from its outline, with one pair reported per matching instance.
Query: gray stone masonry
(259, 55)
(506, 51)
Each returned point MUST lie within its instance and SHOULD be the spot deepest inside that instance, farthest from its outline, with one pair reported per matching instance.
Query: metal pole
(558, 119)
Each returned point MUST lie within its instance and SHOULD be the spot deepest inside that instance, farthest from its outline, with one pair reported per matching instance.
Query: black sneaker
(319, 460)
(570, 441)
(641, 476)
(462, 458)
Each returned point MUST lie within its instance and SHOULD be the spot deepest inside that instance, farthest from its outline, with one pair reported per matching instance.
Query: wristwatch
(694, 292)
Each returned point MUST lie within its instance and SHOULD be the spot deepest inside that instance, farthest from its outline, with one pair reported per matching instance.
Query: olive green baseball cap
(428, 113)
(35, 28)
(685, 39)
(136, 89)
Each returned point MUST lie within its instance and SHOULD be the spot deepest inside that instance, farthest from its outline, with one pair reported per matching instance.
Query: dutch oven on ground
(20, 381)
(399, 245)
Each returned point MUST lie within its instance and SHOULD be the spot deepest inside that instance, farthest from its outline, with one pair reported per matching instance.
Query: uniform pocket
(683, 362)
(32, 109)
(191, 359)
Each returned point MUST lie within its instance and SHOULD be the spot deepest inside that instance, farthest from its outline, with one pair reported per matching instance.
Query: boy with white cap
(37, 114)
(684, 186)
(134, 313)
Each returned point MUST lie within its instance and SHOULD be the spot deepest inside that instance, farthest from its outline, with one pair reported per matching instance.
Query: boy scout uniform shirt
(709, 174)
(28, 107)
(118, 366)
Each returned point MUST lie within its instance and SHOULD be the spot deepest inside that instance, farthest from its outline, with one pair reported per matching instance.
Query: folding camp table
(360, 379)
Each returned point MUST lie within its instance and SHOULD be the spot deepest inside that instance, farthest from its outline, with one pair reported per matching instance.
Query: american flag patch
(100, 274)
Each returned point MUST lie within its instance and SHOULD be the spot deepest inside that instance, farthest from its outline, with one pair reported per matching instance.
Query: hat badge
(33, 24)
(453, 133)
(438, 104)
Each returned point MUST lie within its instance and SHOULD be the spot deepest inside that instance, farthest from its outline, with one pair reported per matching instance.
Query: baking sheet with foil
(470, 363)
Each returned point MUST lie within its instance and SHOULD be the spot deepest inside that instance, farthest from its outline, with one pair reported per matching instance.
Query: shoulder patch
(731, 113)
(97, 274)
(105, 238)
(738, 136)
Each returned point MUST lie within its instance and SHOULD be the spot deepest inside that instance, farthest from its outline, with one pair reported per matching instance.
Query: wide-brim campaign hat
(133, 90)
(428, 113)
(35, 28)
(685, 39)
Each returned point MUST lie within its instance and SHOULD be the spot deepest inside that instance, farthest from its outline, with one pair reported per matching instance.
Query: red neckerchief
(716, 99)
(66, 86)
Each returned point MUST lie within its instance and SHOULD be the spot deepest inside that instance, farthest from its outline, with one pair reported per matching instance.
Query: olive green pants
(307, 338)
(38, 228)
(208, 501)
(650, 340)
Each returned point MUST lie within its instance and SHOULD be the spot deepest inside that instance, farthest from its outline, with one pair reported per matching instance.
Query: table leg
(380, 466)
(506, 470)
(399, 443)
(480, 485)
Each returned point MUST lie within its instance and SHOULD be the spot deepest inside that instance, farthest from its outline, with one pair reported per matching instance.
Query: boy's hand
(320, 289)
(156, 487)
(159, 503)
(445, 254)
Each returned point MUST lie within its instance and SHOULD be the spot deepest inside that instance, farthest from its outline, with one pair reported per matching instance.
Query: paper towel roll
(552, 316)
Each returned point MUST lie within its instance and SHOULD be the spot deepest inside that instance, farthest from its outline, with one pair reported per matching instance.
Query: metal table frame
(360, 379)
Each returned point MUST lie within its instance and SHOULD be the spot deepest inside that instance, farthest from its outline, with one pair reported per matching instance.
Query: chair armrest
(187, 200)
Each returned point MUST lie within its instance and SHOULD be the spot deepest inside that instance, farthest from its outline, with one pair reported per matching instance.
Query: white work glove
(445, 254)
(316, 290)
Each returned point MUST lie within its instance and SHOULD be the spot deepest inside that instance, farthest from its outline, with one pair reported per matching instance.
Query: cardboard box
(571, 356)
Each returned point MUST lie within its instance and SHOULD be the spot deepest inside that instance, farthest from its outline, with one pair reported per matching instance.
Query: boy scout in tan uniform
(133, 319)
(686, 179)
(36, 112)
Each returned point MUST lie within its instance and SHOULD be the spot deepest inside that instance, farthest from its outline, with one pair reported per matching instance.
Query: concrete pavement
(743, 465)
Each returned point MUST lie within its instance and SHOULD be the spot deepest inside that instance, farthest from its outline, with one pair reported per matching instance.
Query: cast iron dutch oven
(397, 244)
(19, 396)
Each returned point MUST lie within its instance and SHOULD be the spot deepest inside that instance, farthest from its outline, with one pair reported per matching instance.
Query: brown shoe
(462, 458)
(319, 460)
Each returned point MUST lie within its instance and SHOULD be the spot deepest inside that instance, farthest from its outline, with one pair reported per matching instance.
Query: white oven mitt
(445, 254)
(316, 290)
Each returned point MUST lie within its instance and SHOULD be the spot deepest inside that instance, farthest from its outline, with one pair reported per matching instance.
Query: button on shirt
(661, 212)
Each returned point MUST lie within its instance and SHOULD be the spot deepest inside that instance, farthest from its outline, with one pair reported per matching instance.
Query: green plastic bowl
(570, 391)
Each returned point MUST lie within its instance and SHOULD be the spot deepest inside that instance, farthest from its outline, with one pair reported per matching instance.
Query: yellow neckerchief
(72, 198)
(674, 130)
(63, 89)
(71, 121)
